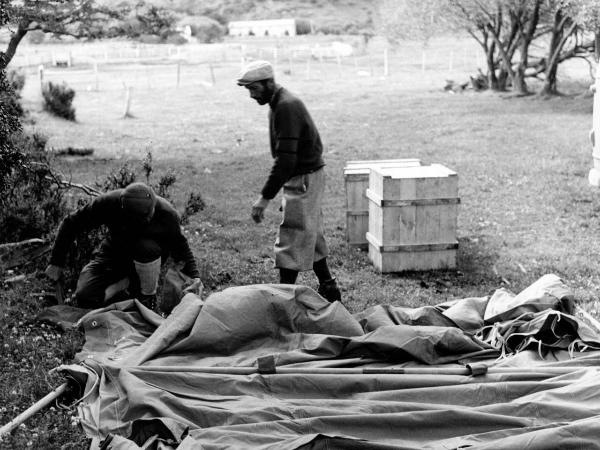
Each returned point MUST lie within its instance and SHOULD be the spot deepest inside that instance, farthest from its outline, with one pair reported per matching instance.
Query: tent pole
(36, 407)
(243, 370)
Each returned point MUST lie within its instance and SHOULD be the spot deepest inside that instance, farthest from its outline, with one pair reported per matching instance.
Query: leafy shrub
(204, 28)
(149, 39)
(31, 206)
(10, 95)
(195, 203)
(303, 26)
(16, 78)
(10, 124)
(36, 37)
(148, 20)
(58, 99)
(175, 39)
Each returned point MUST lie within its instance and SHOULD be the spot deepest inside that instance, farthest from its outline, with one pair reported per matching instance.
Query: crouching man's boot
(329, 291)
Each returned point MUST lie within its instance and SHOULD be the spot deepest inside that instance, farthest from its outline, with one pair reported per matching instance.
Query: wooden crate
(356, 180)
(412, 218)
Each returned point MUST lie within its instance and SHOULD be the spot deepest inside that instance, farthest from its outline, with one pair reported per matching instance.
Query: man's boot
(329, 291)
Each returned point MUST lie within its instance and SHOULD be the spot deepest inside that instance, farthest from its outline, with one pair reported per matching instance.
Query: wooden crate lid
(410, 183)
(431, 171)
(353, 168)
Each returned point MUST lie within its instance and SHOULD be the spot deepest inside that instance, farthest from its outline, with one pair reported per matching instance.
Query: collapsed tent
(278, 367)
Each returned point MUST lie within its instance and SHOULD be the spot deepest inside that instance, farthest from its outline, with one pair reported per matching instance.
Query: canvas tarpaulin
(148, 380)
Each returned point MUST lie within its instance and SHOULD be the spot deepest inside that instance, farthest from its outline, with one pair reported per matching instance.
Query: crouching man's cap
(138, 200)
(255, 71)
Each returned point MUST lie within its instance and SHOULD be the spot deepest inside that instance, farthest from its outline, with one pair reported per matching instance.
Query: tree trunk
(519, 84)
(505, 58)
(15, 39)
(563, 29)
(527, 25)
(491, 68)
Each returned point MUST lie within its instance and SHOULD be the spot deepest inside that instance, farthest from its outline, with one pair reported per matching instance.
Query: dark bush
(16, 78)
(204, 28)
(149, 39)
(303, 26)
(10, 112)
(10, 95)
(58, 99)
(195, 203)
(31, 206)
(36, 37)
(175, 39)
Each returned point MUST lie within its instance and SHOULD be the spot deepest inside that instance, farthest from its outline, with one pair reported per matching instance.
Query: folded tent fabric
(127, 392)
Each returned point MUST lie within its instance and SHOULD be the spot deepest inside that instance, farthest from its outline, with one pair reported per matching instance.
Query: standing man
(143, 230)
(298, 169)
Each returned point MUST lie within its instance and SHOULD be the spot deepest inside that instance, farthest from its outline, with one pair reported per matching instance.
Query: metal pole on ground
(33, 409)
(466, 371)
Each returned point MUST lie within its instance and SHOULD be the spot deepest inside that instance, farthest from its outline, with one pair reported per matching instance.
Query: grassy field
(526, 206)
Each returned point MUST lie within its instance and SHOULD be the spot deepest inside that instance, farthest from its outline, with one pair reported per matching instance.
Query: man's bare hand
(195, 287)
(54, 272)
(258, 209)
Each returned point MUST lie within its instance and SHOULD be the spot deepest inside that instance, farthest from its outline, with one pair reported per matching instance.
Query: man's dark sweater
(163, 228)
(295, 141)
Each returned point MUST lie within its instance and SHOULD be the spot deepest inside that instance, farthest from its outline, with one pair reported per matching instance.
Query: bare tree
(418, 20)
(77, 18)
(587, 15)
(503, 29)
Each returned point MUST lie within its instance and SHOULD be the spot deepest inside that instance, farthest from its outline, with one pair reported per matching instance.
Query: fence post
(96, 74)
(212, 74)
(386, 71)
(41, 75)
(126, 112)
(178, 72)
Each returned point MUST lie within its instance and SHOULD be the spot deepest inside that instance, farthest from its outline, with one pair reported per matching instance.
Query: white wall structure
(277, 27)
(594, 175)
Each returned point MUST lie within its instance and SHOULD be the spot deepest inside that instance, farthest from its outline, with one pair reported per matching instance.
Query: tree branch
(7, 56)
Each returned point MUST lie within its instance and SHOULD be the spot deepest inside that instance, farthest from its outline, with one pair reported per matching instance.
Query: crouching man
(143, 231)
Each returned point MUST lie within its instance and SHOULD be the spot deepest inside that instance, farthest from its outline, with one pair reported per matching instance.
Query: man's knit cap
(138, 200)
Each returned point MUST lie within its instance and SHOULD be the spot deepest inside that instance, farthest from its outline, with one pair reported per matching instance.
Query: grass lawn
(526, 206)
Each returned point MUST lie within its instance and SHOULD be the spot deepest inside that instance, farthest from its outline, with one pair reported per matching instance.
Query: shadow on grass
(474, 268)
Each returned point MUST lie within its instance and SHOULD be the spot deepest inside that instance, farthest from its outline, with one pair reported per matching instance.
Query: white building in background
(277, 27)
